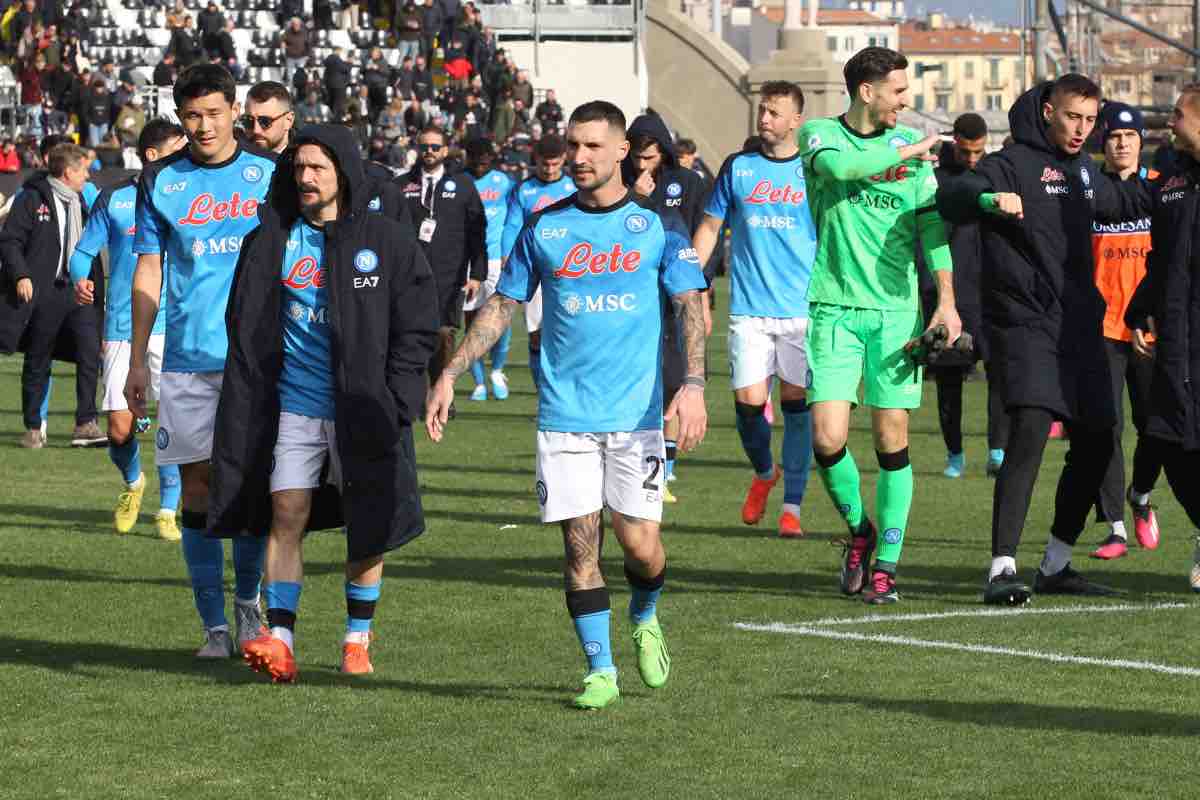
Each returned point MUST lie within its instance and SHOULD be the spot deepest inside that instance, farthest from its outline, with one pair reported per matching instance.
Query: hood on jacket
(1026, 122)
(339, 141)
(649, 125)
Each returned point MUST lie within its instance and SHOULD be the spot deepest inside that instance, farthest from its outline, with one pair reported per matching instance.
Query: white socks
(284, 635)
(1001, 563)
(1118, 529)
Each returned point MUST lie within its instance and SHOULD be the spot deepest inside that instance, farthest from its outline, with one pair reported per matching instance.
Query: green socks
(840, 474)
(893, 499)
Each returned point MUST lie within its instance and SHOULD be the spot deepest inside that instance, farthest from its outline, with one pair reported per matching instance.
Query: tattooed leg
(582, 540)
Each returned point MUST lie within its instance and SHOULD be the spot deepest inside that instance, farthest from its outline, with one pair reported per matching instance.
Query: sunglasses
(430, 148)
(247, 121)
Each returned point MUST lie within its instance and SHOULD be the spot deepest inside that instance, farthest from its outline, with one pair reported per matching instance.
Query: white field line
(821, 629)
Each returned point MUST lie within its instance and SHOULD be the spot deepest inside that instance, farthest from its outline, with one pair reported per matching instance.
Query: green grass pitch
(476, 659)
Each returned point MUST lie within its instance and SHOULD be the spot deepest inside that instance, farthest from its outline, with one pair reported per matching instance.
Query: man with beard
(269, 117)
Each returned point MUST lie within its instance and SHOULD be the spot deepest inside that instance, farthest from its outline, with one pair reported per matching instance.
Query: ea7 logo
(554, 233)
(174, 187)
(369, 281)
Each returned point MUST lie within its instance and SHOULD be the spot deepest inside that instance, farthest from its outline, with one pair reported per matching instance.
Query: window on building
(832, 42)
(969, 70)
(994, 71)
(969, 102)
(995, 102)
(883, 41)
(942, 102)
(848, 43)
(920, 106)
(1122, 86)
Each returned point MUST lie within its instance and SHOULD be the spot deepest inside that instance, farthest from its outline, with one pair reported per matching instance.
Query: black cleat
(856, 557)
(1005, 590)
(1068, 581)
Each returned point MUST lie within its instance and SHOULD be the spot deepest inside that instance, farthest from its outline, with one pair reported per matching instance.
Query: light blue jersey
(195, 216)
(90, 192)
(603, 274)
(111, 224)
(764, 202)
(526, 199)
(306, 382)
(494, 189)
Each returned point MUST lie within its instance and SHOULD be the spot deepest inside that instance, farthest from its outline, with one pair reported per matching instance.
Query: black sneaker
(1068, 581)
(1005, 590)
(856, 557)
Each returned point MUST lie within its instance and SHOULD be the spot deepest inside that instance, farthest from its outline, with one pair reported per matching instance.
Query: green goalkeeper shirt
(869, 209)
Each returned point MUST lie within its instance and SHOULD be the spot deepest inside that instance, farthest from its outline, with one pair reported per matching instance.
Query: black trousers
(1182, 468)
(1135, 374)
(949, 399)
(56, 313)
(1078, 485)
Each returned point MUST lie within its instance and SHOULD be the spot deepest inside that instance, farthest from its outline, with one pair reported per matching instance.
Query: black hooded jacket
(1170, 293)
(383, 324)
(1040, 301)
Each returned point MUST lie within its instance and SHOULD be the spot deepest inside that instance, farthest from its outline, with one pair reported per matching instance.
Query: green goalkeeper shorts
(848, 346)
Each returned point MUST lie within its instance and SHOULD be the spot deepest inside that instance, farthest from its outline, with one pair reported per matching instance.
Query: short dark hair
(1075, 85)
(869, 65)
(199, 80)
(970, 126)
(685, 147)
(50, 141)
(783, 89)
(157, 132)
(550, 146)
(430, 129)
(64, 155)
(598, 111)
(640, 141)
(265, 91)
(479, 147)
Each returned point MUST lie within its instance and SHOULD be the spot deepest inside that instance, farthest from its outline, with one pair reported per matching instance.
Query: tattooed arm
(489, 325)
(688, 403)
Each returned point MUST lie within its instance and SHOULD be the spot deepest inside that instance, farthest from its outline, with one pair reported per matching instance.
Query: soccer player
(871, 188)
(603, 259)
(966, 251)
(761, 195)
(268, 117)
(494, 188)
(653, 173)
(1040, 196)
(1119, 250)
(304, 300)
(112, 225)
(546, 186)
(194, 208)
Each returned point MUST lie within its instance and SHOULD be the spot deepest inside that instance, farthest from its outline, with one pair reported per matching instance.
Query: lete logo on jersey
(582, 260)
(305, 273)
(205, 209)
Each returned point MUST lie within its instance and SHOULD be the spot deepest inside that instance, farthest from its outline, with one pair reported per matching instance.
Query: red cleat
(789, 526)
(1113, 547)
(756, 499)
(1145, 524)
(355, 659)
(1057, 431)
(272, 657)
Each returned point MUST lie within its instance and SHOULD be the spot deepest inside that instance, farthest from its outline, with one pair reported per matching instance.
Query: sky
(1004, 11)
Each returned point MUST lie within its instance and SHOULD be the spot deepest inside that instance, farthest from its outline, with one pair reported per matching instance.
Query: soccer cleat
(43, 430)
(1194, 577)
(217, 644)
(249, 622)
(1145, 522)
(1068, 581)
(955, 464)
(883, 590)
(129, 503)
(1057, 431)
(599, 690)
(667, 496)
(1114, 547)
(168, 528)
(499, 385)
(479, 393)
(1005, 590)
(789, 526)
(88, 435)
(994, 463)
(33, 439)
(355, 659)
(272, 657)
(756, 499)
(856, 557)
(654, 664)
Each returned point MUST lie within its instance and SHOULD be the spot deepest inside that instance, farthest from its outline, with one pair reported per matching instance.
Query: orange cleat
(355, 659)
(272, 657)
(756, 499)
(789, 526)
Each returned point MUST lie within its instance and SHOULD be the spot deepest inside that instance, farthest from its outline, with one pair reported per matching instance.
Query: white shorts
(760, 347)
(115, 368)
(486, 289)
(533, 312)
(580, 473)
(187, 411)
(300, 451)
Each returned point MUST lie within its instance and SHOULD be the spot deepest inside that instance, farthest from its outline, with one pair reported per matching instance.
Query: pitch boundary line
(822, 628)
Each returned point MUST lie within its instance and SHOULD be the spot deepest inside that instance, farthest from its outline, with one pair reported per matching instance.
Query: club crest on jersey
(674, 190)
(252, 173)
(897, 142)
(814, 141)
(580, 260)
(375, 204)
(636, 223)
(366, 261)
(450, 186)
(162, 438)
(1087, 179)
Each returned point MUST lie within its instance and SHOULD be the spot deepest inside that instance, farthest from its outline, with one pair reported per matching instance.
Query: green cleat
(599, 690)
(654, 664)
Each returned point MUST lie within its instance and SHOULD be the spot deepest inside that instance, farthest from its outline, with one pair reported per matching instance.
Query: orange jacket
(1119, 250)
